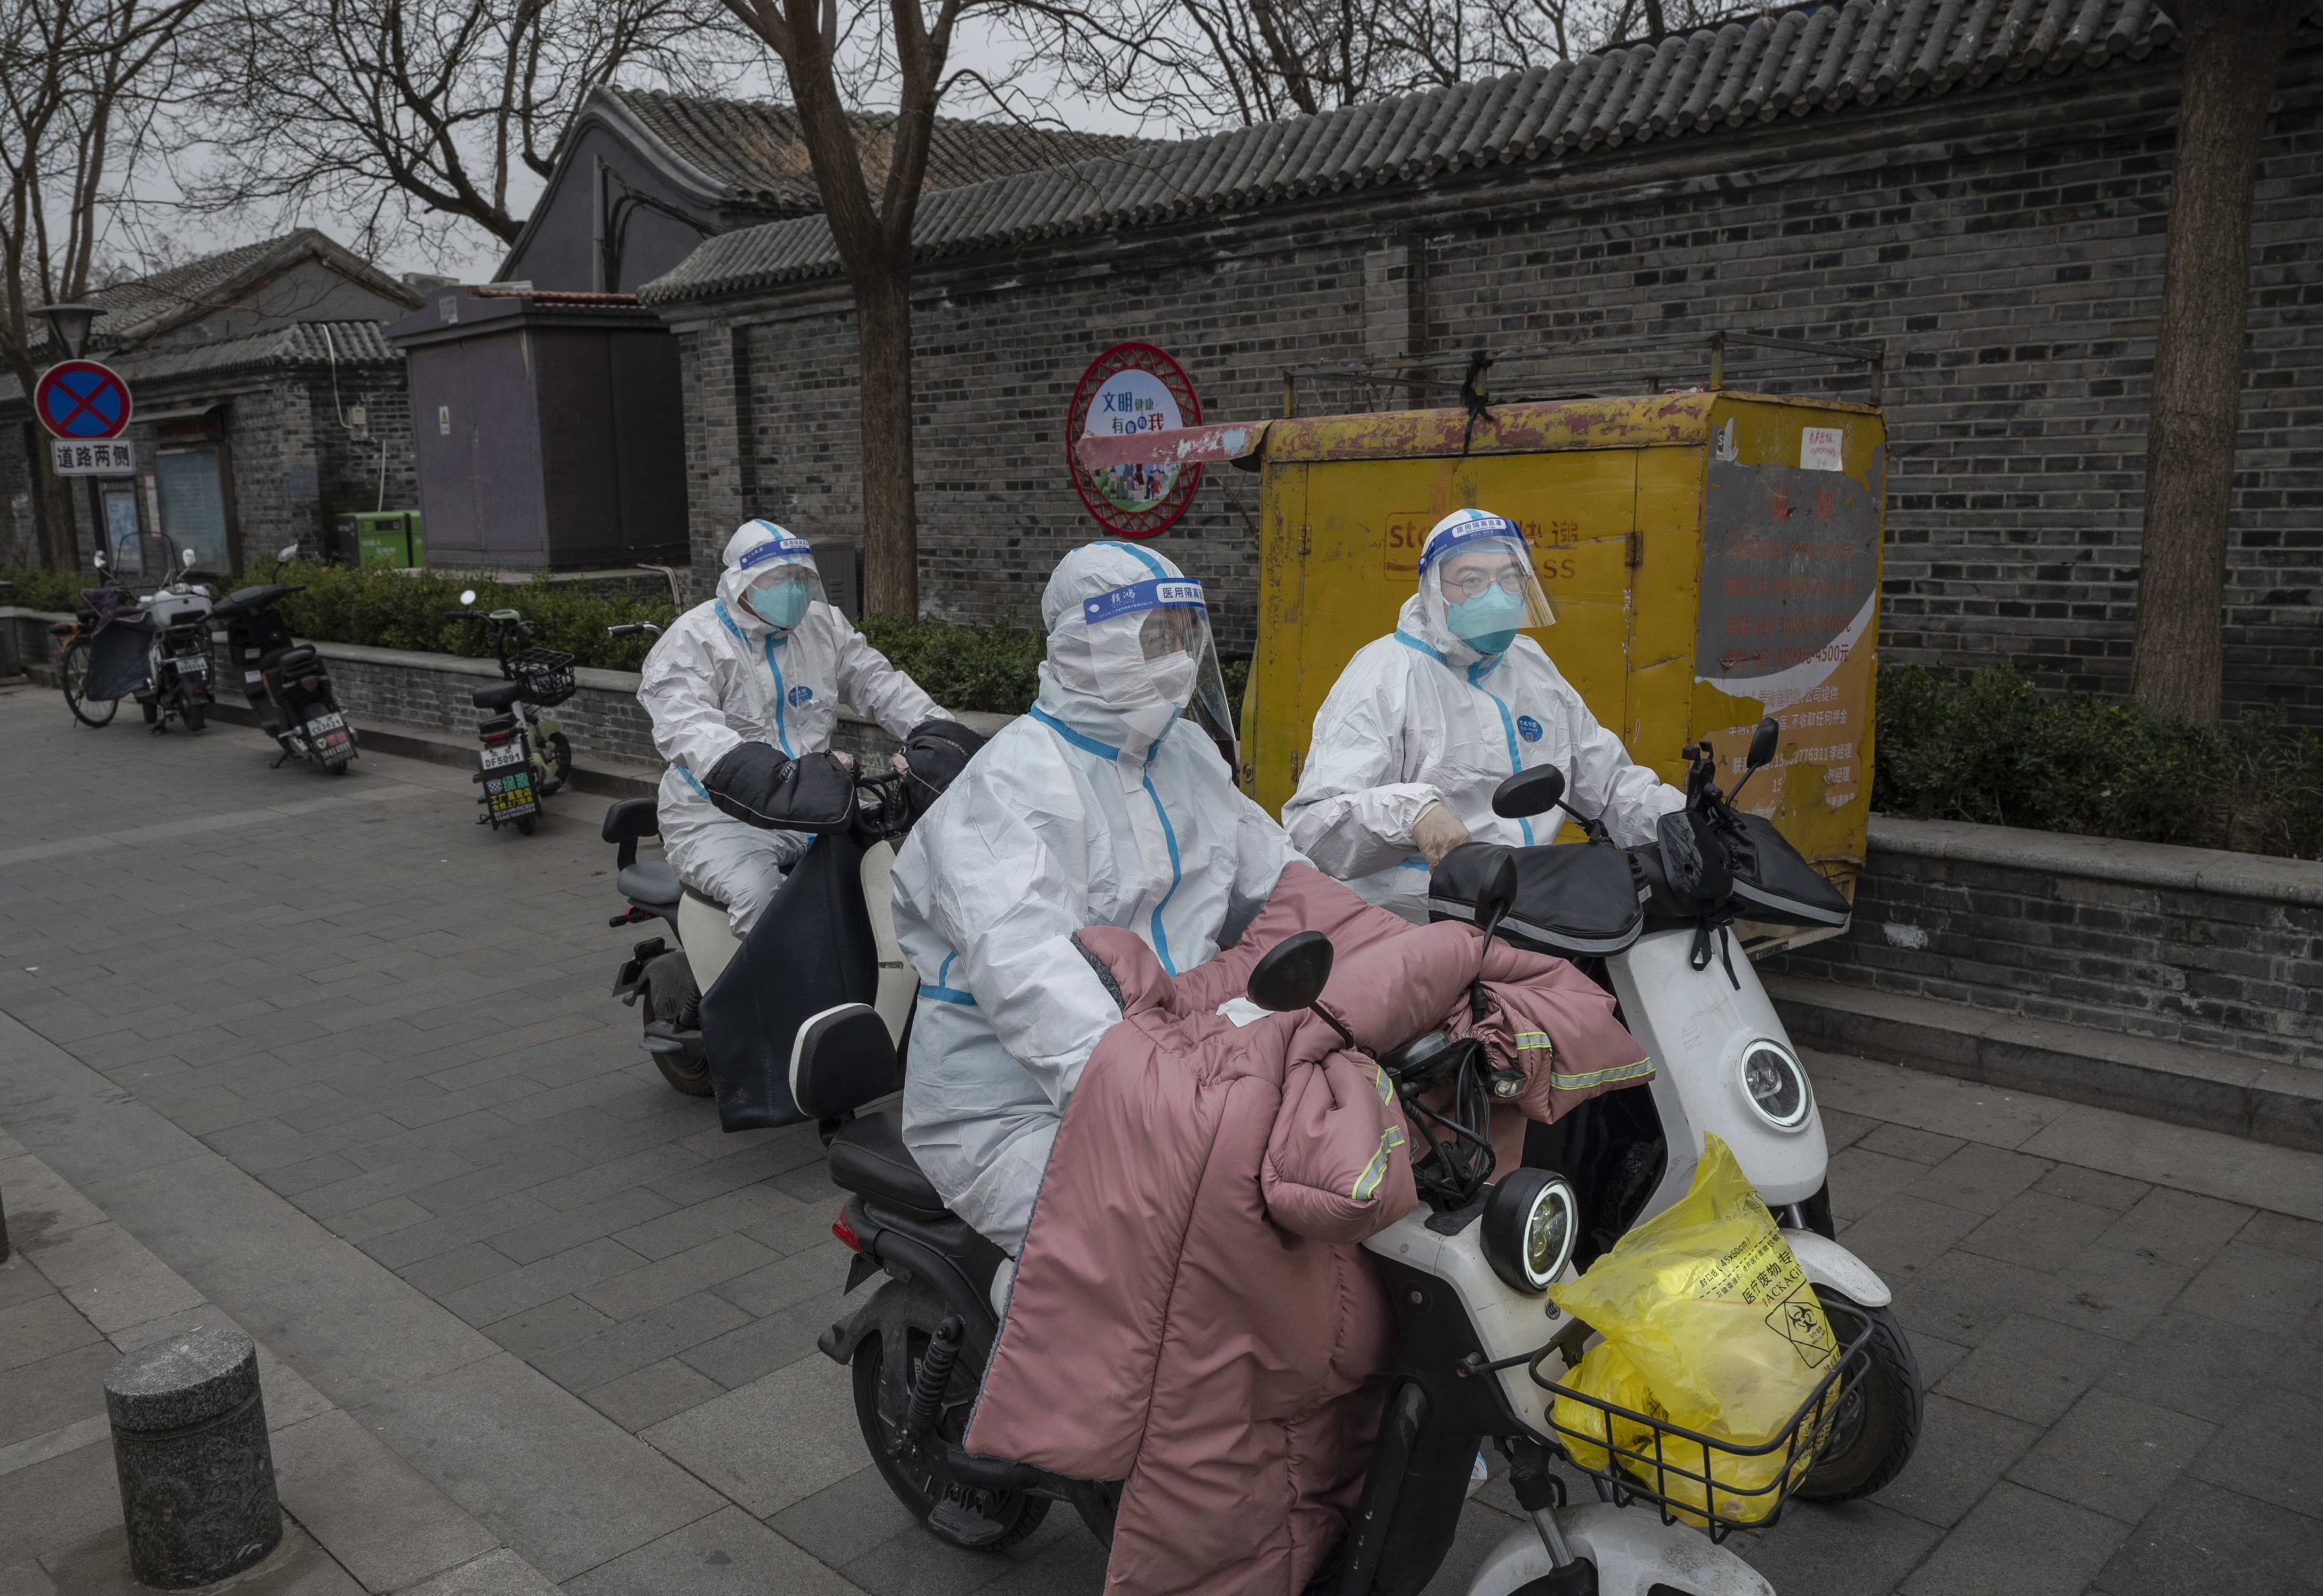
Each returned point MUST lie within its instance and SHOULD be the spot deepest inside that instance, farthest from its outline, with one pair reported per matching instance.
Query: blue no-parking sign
(82, 401)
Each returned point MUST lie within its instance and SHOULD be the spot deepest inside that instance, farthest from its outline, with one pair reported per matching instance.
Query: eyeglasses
(1169, 631)
(1467, 585)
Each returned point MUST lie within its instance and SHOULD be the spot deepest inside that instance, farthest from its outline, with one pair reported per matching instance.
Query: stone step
(2174, 1081)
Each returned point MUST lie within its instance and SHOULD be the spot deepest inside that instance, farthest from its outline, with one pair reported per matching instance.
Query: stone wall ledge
(2268, 877)
(2151, 1076)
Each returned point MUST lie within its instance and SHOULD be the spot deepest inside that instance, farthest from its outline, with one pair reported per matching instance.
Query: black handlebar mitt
(758, 786)
(936, 752)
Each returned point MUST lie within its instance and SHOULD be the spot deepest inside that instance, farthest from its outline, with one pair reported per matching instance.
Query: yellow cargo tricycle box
(1713, 558)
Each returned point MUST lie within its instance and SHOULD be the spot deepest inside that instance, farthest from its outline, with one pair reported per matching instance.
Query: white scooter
(1479, 1345)
(720, 1014)
(1477, 1329)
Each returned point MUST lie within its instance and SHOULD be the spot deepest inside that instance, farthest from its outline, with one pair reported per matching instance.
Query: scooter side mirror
(1291, 975)
(1499, 892)
(1529, 792)
(186, 559)
(287, 552)
(1762, 744)
(468, 595)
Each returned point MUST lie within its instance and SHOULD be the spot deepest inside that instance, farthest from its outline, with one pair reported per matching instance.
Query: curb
(2174, 1081)
(372, 736)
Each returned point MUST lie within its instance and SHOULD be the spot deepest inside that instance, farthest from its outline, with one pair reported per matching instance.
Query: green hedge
(32, 588)
(1988, 748)
(962, 668)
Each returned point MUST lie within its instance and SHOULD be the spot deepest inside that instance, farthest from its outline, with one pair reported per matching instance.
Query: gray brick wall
(293, 467)
(2049, 938)
(602, 718)
(2004, 242)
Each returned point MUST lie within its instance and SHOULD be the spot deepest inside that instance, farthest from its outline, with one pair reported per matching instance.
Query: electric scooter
(285, 680)
(153, 647)
(1479, 1351)
(719, 1013)
(525, 757)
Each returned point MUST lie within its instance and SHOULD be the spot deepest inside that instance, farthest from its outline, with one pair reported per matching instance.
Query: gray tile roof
(1812, 61)
(300, 344)
(756, 150)
(151, 304)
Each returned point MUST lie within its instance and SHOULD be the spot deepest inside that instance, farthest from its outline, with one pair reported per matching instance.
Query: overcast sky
(468, 251)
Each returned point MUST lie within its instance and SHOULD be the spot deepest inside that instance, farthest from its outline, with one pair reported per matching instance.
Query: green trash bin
(383, 537)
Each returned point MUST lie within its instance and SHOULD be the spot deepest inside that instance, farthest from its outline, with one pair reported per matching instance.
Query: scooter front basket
(547, 674)
(1649, 1458)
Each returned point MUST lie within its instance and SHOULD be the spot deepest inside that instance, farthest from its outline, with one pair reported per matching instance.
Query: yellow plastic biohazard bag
(1608, 1376)
(1707, 1307)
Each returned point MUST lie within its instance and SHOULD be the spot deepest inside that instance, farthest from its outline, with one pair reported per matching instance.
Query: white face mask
(1173, 676)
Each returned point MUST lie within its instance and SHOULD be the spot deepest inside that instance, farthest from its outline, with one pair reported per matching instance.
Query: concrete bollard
(197, 1473)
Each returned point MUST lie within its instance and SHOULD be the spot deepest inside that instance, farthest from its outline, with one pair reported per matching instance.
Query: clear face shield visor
(1482, 586)
(778, 580)
(1151, 651)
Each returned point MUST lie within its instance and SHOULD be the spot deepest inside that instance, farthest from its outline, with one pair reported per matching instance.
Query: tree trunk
(59, 537)
(2234, 50)
(891, 533)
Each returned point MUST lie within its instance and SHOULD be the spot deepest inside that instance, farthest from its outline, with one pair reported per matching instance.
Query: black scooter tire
(1877, 1425)
(523, 825)
(1021, 1511)
(665, 1000)
(195, 715)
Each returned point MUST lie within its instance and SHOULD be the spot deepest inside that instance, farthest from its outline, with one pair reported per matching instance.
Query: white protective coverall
(1421, 717)
(721, 677)
(1101, 807)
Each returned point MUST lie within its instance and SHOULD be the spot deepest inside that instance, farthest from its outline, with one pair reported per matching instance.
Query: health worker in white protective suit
(1424, 723)
(1101, 807)
(765, 661)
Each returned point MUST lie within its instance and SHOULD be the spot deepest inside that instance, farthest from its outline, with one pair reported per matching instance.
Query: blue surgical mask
(1487, 623)
(782, 606)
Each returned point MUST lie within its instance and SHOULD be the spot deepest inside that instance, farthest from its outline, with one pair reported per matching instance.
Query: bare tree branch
(402, 110)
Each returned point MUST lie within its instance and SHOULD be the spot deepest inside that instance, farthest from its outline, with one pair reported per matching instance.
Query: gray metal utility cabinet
(547, 428)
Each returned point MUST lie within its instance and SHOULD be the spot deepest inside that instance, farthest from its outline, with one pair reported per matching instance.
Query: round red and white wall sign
(1132, 388)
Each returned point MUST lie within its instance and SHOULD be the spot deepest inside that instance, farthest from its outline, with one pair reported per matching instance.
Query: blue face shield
(782, 606)
(1488, 622)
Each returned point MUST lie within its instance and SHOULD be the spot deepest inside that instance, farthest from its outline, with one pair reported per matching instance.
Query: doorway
(192, 486)
(124, 539)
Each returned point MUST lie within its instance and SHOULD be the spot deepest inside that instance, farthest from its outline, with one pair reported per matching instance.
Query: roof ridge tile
(1835, 57)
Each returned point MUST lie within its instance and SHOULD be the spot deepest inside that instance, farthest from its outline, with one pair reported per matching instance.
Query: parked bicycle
(154, 648)
(525, 757)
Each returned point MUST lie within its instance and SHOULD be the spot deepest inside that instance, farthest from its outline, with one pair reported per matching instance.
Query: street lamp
(70, 323)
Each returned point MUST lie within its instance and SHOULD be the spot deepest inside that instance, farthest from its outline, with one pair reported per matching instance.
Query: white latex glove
(1436, 832)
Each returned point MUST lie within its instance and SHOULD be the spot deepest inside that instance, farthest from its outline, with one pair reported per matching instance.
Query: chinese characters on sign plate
(70, 459)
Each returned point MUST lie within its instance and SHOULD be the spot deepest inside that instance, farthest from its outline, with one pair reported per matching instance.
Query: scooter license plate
(506, 754)
(508, 797)
(328, 735)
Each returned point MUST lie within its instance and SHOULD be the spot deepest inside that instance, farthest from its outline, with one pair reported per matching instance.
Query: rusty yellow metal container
(1713, 557)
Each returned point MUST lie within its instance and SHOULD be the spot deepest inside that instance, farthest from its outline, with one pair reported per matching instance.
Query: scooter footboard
(1634, 1553)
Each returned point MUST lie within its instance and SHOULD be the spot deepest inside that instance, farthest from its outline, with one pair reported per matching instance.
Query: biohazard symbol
(1795, 1319)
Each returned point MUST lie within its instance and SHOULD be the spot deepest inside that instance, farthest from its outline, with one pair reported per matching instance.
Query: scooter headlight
(1530, 1224)
(1776, 1085)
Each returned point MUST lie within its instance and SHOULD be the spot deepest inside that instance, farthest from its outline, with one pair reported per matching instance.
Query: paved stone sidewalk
(76, 1292)
(345, 1060)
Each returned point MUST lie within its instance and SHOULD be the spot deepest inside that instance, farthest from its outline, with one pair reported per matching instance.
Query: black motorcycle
(287, 684)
